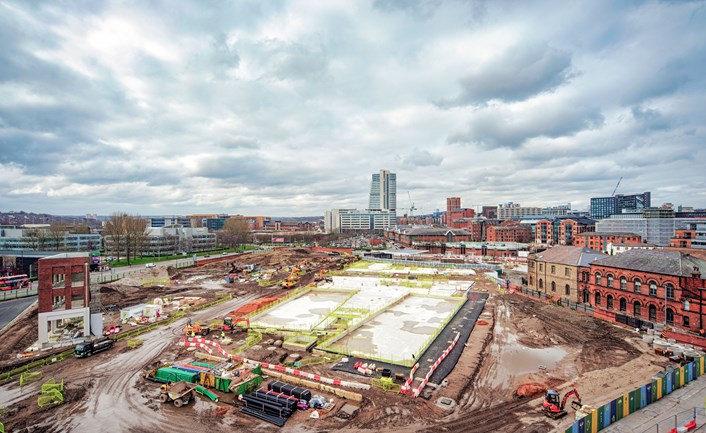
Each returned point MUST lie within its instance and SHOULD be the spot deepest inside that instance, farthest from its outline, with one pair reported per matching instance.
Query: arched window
(610, 280)
(531, 280)
(609, 302)
(653, 288)
(541, 284)
(670, 316)
(636, 308)
(598, 278)
(623, 304)
(553, 286)
(586, 297)
(567, 290)
(623, 283)
(670, 290)
(598, 298)
(652, 312)
(637, 285)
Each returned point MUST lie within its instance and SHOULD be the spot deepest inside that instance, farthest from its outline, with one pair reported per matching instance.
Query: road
(11, 309)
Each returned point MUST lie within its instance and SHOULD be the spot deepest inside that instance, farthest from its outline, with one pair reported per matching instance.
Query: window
(623, 283)
(598, 278)
(567, 272)
(652, 312)
(553, 268)
(653, 288)
(637, 285)
(623, 304)
(531, 280)
(553, 286)
(567, 290)
(609, 302)
(670, 316)
(636, 309)
(586, 297)
(541, 267)
(541, 284)
(670, 290)
(686, 321)
(610, 280)
(598, 298)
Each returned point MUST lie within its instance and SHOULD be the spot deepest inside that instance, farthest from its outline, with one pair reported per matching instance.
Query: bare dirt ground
(517, 341)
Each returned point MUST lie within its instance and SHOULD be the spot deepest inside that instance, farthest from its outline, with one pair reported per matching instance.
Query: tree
(56, 234)
(135, 235)
(235, 231)
(115, 233)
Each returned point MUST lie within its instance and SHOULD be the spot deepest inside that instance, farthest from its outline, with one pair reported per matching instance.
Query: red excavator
(554, 409)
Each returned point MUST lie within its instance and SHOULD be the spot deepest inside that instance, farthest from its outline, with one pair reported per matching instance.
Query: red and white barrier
(434, 366)
(207, 345)
(407, 386)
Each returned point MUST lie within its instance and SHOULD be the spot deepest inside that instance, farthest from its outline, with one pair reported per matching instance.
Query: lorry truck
(88, 348)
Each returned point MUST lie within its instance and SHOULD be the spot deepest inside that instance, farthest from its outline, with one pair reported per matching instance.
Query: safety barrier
(661, 385)
(210, 346)
(432, 264)
(29, 377)
(52, 393)
(434, 366)
(16, 294)
(407, 386)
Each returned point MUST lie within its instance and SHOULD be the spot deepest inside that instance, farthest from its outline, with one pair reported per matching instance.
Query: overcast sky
(287, 108)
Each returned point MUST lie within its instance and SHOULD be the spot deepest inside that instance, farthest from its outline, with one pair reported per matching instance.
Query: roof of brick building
(658, 262)
(569, 255)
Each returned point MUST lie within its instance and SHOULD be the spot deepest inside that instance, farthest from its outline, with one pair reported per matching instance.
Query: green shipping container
(654, 391)
(619, 413)
(601, 415)
(589, 423)
(168, 374)
(634, 400)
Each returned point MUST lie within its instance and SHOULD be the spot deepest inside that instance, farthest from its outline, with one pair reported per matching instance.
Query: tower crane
(411, 205)
(616, 186)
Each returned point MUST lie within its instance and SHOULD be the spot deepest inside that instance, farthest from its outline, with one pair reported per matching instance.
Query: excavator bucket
(576, 405)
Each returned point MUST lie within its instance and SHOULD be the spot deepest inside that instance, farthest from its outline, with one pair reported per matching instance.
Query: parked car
(150, 265)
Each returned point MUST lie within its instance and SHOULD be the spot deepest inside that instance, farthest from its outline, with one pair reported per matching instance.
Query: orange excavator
(553, 408)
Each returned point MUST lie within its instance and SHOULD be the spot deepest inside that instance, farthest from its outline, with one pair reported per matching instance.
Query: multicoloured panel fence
(631, 402)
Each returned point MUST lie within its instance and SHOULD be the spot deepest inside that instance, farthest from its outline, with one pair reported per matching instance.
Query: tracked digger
(554, 408)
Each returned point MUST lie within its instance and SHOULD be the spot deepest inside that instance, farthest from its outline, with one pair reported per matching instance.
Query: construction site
(302, 340)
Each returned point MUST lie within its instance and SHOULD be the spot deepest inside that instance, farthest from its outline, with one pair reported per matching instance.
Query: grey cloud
(422, 158)
(296, 60)
(238, 142)
(520, 72)
(423, 9)
(649, 118)
(492, 128)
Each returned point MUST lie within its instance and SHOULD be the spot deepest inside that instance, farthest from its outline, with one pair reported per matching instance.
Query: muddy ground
(517, 341)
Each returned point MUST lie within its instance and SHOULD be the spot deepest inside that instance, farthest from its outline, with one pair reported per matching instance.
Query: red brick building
(64, 293)
(544, 232)
(455, 212)
(654, 286)
(409, 236)
(509, 231)
(561, 231)
(599, 240)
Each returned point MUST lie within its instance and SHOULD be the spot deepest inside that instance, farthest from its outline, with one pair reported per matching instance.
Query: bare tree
(115, 233)
(235, 231)
(35, 238)
(135, 235)
(56, 234)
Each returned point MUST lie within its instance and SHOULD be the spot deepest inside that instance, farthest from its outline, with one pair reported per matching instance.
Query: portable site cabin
(136, 311)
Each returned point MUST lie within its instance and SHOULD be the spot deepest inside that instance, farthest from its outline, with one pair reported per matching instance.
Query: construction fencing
(679, 419)
(563, 302)
(432, 264)
(661, 385)
(15, 294)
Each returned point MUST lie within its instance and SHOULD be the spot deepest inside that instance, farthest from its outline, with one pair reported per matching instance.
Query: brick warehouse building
(558, 271)
(408, 236)
(653, 286)
(599, 240)
(64, 295)
(509, 231)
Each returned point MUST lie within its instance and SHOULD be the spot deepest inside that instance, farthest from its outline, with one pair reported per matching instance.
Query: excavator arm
(576, 404)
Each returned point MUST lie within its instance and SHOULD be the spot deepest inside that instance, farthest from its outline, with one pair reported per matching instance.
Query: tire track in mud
(114, 402)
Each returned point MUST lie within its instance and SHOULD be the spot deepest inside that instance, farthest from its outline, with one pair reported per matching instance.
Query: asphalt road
(10, 309)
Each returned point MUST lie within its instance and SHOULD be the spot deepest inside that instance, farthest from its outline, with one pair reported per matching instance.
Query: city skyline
(285, 109)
